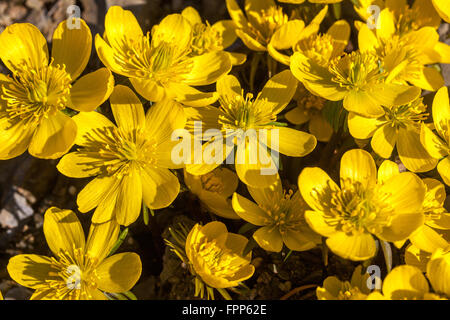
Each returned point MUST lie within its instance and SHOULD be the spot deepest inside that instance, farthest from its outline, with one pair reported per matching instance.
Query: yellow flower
(160, 66)
(439, 146)
(79, 270)
(399, 126)
(357, 78)
(214, 256)
(406, 18)
(212, 38)
(438, 271)
(308, 109)
(33, 98)
(238, 117)
(442, 8)
(405, 55)
(312, 1)
(261, 19)
(280, 216)
(319, 47)
(130, 161)
(361, 207)
(214, 190)
(408, 283)
(335, 289)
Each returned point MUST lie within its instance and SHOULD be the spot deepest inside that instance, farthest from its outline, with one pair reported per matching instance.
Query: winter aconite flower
(398, 127)
(260, 21)
(350, 215)
(160, 64)
(34, 97)
(438, 146)
(335, 289)
(408, 283)
(406, 56)
(357, 78)
(280, 216)
(214, 256)
(211, 38)
(251, 125)
(130, 161)
(214, 190)
(80, 269)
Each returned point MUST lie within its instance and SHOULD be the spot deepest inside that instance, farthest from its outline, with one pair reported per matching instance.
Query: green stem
(271, 66)
(387, 253)
(337, 10)
(119, 241)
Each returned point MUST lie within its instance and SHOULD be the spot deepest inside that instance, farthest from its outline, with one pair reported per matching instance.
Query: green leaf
(119, 241)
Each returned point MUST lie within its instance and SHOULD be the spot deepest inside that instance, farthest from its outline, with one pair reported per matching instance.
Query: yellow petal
(296, 239)
(121, 25)
(426, 15)
(443, 168)
(441, 111)
(229, 87)
(30, 270)
(266, 197)
(190, 96)
(127, 109)
(174, 29)
(191, 15)
(405, 282)
(363, 127)
(96, 191)
(119, 273)
(101, 239)
(229, 179)
(63, 231)
(317, 223)
(385, 25)
(87, 122)
(149, 89)
(384, 140)
(23, 43)
(72, 47)
(14, 138)
(236, 13)
(402, 226)
(163, 118)
(277, 92)
(358, 247)
(106, 209)
(77, 165)
(91, 90)
(249, 41)
(226, 30)
(218, 205)
(129, 199)
(291, 142)
(367, 40)
(406, 191)
(443, 9)
(298, 115)
(287, 35)
(411, 152)
(416, 257)
(340, 32)
(53, 137)
(389, 94)
(387, 170)
(438, 271)
(108, 57)
(357, 165)
(313, 182)
(432, 143)
(207, 68)
(426, 239)
(428, 79)
(236, 58)
(362, 102)
(166, 185)
(249, 211)
(269, 238)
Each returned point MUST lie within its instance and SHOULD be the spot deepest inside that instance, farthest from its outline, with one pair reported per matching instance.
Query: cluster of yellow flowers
(48, 106)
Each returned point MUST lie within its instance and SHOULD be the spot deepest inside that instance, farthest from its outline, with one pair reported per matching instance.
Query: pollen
(35, 94)
(117, 152)
(317, 47)
(205, 39)
(409, 115)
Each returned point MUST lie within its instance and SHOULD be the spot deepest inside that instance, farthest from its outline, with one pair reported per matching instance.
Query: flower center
(357, 70)
(409, 115)
(266, 23)
(355, 209)
(35, 94)
(348, 292)
(205, 39)
(317, 47)
(310, 103)
(73, 275)
(117, 152)
(160, 60)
